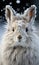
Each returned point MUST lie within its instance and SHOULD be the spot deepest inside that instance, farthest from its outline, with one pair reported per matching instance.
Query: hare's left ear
(9, 13)
(30, 13)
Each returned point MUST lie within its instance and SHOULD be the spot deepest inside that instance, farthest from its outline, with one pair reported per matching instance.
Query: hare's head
(20, 26)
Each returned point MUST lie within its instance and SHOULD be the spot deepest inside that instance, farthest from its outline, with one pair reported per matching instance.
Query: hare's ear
(9, 13)
(30, 13)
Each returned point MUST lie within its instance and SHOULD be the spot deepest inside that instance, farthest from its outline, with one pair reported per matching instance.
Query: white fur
(25, 52)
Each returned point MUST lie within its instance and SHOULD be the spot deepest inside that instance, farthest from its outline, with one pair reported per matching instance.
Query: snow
(10, 3)
(18, 9)
(18, 1)
(27, 4)
(24, 8)
(3, 0)
(1, 10)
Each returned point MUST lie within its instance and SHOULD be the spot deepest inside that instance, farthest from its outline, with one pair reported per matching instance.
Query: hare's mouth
(20, 43)
(19, 40)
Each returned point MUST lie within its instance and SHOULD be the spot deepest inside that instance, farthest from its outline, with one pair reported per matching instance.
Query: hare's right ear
(30, 13)
(9, 13)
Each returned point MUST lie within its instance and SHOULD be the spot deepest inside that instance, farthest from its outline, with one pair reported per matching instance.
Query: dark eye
(13, 29)
(26, 29)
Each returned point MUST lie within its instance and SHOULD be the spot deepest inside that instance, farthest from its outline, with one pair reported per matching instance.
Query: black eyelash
(26, 29)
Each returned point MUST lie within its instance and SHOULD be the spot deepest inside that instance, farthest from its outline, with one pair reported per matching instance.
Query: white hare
(20, 45)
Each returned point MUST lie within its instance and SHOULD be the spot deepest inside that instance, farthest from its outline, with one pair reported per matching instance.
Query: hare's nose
(19, 37)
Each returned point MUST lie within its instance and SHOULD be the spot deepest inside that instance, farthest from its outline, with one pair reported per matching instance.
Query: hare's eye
(13, 29)
(26, 29)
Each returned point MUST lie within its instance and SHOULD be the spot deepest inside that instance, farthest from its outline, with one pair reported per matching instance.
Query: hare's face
(19, 30)
(20, 25)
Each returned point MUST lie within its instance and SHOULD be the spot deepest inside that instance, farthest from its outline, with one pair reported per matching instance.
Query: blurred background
(19, 6)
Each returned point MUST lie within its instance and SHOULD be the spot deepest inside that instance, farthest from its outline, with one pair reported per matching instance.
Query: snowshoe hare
(20, 45)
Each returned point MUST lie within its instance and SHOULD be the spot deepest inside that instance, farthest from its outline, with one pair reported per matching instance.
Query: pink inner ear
(31, 14)
(8, 13)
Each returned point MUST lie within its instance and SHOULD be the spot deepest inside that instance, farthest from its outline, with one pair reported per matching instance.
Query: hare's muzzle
(19, 37)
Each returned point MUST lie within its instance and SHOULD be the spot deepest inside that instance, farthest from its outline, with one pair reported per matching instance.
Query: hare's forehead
(19, 23)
